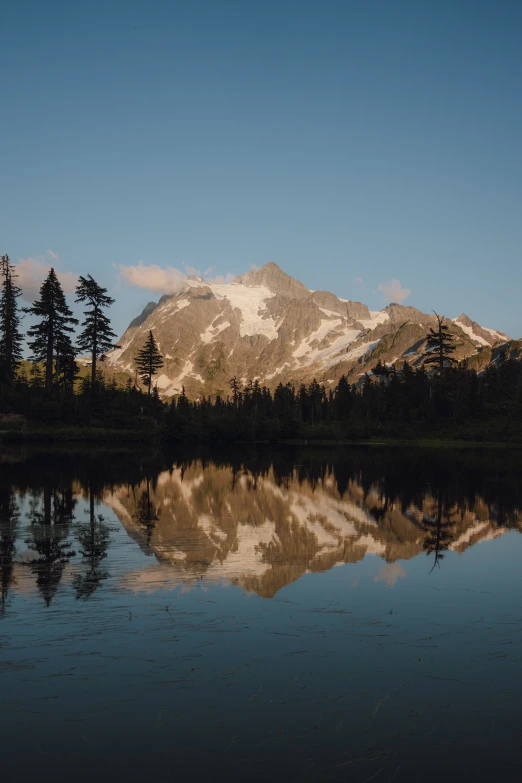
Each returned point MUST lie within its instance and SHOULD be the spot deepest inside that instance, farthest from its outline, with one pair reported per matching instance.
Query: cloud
(53, 255)
(33, 271)
(358, 280)
(167, 280)
(390, 573)
(394, 291)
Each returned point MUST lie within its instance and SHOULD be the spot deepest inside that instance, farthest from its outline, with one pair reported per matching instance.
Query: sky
(369, 147)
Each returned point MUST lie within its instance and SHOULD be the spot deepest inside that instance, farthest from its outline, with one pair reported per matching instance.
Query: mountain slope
(268, 326)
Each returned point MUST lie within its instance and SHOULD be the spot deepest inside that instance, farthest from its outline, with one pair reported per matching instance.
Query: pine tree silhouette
(51, 334)
(440, 344)
(97, 337)
(148, 361)
(10, 335)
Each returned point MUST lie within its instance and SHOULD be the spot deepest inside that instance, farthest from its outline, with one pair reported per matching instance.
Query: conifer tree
(148, 361)
(97, 336)
(53, 327)
(66, 368)
(10, 337)
(235, 387)
(35, 376)
(441, 344)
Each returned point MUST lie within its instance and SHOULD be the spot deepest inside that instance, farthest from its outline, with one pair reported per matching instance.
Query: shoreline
(106, 437)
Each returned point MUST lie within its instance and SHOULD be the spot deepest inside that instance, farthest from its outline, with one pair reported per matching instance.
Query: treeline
(405, 403)
(440, 398)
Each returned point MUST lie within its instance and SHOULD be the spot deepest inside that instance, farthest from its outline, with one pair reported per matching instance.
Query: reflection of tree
(9, 517)
(94, 540)
(146, 511)
(439, 533)
(50, 529)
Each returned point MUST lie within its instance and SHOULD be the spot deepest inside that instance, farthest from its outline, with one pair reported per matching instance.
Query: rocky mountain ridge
(267, 326)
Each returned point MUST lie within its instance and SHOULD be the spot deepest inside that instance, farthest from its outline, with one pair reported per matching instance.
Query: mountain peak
(272, 277)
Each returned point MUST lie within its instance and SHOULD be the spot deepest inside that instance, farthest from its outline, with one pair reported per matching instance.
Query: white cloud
(167, 280)
(32, 272)
(358, 280)
(394, 291)
(53, 255)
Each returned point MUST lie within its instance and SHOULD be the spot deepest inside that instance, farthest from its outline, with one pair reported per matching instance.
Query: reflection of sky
(335, 662)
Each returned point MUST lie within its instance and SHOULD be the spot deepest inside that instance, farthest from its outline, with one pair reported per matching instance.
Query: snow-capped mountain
(268, 326)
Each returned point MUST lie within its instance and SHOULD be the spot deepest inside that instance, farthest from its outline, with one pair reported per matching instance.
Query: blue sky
(354, 140)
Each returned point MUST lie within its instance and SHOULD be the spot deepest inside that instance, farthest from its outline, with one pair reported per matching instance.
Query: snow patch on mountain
(333, 352)
(249, 300)
(469, 331)
(212, 331)
(320, 333)
(377, 317)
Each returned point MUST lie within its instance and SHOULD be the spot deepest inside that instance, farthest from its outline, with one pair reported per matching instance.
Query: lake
(350, 614)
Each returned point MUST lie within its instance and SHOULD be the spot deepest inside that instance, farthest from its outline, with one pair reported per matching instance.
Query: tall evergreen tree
(54, 326)
(235, 387)
(149, 361)
(10, 336)
(440, 344)
(66, 368)
(97, 337)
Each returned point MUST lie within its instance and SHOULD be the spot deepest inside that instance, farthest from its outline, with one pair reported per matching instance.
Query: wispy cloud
(52, 255)
(394, 291)
(359, 280)
(32, 272)
(165, 280)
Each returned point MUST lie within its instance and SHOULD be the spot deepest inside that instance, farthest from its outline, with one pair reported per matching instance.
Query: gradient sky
(354, 140)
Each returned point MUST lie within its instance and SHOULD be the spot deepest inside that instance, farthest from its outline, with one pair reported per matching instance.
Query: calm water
(350, 615)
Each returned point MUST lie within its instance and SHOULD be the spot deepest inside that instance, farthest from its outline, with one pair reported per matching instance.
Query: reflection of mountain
(263, 533)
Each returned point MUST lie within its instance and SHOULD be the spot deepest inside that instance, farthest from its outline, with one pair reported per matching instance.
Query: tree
(235, 387)
(66, 368)
(53, 330)
(441, 342)
(149, 361)
(10, 337)
(97, 335)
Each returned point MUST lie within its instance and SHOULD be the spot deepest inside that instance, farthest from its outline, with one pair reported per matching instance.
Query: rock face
(266, 325)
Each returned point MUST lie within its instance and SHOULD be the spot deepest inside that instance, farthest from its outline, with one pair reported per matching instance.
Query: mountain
(268, 326)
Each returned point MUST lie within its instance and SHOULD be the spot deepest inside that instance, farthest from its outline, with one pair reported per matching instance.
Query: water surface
(314, 615)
